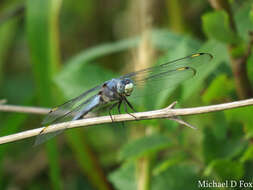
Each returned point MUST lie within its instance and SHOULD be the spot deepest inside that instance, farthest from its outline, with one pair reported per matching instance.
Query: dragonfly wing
(74, 114)
(67, 112)
(166, 81)
(57, 113)
(195, 61)
(167, 75)
(43, 137)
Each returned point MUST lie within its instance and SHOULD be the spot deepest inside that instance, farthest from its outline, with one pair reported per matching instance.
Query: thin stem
(23, 109)
(156, 114)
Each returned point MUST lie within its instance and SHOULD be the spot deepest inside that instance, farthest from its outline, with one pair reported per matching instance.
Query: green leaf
(250, 68)
(53, 159)
(144, 146)
(171, 178)
(7, 31)
(86, 160)
(176, 177)
(248, 128)
(42, 33)
(225, 169)
(220, 88)
(243, 20)
(124, 177)
(251, 15)
(161, 39)
(20, 83)
(100, 51)
(216, 26)
(163, 166)
(243, 115)
(247, 155)
(167, 40)
(220, 129)
(231, 147)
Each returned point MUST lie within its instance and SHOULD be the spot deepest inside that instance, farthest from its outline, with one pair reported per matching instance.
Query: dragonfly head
(125, 87)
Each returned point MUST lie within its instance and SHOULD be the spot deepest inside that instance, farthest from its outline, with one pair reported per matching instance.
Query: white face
(129, 88)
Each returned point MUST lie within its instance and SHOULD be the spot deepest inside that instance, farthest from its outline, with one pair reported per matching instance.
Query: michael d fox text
(226, 183)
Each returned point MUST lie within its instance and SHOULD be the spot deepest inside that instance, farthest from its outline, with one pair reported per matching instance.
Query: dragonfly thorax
(125, 87)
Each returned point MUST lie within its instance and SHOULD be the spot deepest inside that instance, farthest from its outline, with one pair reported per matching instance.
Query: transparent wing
(168, 75)
(56, 113)
(194, 61)
(66, 112)
(165, 81)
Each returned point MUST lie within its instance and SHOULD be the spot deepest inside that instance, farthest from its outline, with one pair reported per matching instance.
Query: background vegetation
(52, 50)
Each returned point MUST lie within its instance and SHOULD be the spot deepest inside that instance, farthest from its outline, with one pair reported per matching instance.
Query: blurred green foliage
(53, 50)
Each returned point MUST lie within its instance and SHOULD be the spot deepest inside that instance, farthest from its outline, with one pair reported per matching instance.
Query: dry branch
(23, 109)
(168, 112)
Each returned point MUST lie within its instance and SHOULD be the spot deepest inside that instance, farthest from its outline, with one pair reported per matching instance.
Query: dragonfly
(117, 91)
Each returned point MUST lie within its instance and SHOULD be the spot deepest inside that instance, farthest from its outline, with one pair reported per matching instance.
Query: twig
(156, 114)
(23, 109)
(180, 121)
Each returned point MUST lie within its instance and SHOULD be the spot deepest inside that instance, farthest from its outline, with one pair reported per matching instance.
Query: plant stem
(238, 65)
(156, 114)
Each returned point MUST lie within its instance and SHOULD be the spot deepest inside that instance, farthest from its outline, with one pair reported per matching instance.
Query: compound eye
(129, 88)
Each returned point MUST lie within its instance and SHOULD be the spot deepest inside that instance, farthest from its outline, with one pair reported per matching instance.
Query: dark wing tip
(209, 54)
(202, 53)
(182, 68)
(186, 68)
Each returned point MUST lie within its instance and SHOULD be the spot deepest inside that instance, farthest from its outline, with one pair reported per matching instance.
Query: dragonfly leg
(125, 106)
(120, 102)
(110, 109)
(130, 105)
